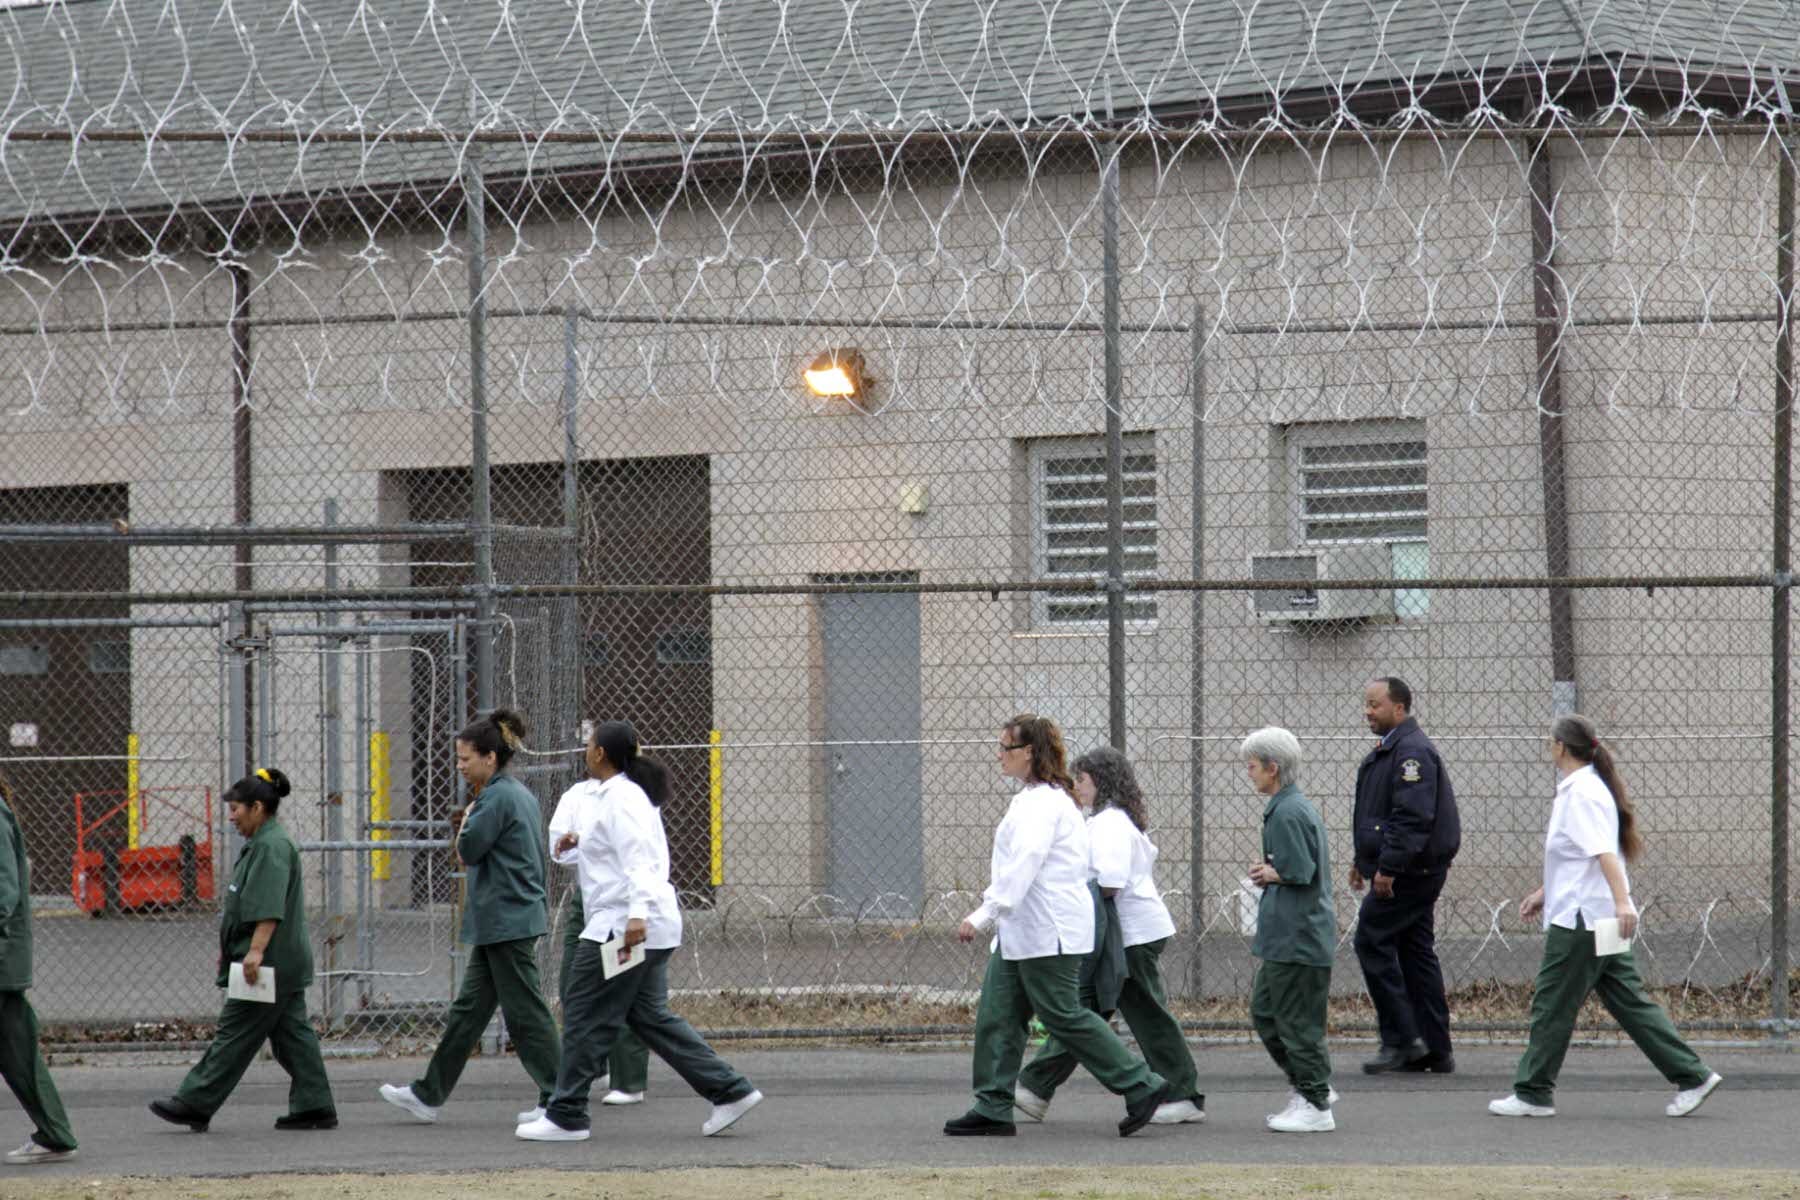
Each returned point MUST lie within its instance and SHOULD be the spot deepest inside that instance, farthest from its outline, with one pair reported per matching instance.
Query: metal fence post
(1115, 457)
(237, 720)
(482, 514)
(1197, 651)
(1549, 323)
(1780, 620)
(569, 608)
(331, 720)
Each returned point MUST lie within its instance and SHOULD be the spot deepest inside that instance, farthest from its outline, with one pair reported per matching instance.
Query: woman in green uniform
(263, 926)
(501, 844)
(1296, 932)
(20, 1061)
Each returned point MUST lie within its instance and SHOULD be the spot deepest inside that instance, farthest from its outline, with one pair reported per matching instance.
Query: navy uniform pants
(1396, 942)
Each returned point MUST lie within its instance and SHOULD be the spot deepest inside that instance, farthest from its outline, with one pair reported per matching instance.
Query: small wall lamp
(839, 374)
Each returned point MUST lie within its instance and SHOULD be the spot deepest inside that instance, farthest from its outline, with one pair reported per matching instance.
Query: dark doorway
(644, 658)
(67, 688)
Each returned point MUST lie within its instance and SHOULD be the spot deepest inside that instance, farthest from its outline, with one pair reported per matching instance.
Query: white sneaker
(530, 1115)
(1177, 1112)
(724, 1116)
(1295, 1097)
(1294, 1100)
(31, 1154)
(1512, 1106)
(1303, 1118)
(1688, 1099)
(1031, 1104)
(402, 1097)
(545, 1130)
(622, 1098)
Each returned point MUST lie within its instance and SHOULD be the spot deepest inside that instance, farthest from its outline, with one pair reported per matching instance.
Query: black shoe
(179, 1112)
(1138, 1115)
(1435, 1064)
(1396, 1058)
(973, 1124)
(315, 1118)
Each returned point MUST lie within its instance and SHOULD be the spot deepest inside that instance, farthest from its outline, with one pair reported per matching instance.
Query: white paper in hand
(260, 992)
(1606, 938)
(612, 952)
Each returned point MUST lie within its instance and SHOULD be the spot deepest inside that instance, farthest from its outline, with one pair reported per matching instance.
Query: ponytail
(1581, 739)
(500, 733)
(1631, 845)
(265, 786)
(619, 740)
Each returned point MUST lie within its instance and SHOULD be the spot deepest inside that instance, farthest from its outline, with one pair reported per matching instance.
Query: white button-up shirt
(563, 819)
(1121, 856)
(1584, 824)
(1038, 899)
(621, 859)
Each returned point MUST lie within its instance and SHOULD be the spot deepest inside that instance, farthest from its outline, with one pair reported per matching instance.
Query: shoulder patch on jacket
(1409, 771)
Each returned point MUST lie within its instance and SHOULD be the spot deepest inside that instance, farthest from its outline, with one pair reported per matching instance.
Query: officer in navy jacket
(1406, 831)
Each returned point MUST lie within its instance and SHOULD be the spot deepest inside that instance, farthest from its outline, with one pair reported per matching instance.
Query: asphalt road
(885, 1107)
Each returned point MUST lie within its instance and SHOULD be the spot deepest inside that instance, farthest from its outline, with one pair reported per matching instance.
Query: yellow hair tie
(262, 773)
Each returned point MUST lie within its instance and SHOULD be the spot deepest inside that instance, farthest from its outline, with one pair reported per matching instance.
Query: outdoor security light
(839, 373)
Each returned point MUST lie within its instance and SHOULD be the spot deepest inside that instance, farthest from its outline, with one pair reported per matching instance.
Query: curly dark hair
(1115, 783)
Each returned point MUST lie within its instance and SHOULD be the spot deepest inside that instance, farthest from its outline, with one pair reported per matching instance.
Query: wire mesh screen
(817, 388)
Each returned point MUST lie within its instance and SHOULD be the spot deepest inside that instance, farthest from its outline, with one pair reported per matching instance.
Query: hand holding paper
(238, 987)
(616, 956)
(1608, 937)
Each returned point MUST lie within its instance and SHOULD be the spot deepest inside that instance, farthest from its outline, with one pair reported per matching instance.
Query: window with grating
(1365, 481)
(1068, 509)
(1362, 491)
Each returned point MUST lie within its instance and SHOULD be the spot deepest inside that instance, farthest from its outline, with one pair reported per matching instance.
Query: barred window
(1365, 481)
(1068, 506)
(1361, 488)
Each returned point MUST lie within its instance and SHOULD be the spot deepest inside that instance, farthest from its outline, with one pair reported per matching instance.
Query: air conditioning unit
(1303, 605)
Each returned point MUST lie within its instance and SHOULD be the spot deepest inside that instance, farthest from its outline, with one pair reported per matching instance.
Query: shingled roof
(753, 66)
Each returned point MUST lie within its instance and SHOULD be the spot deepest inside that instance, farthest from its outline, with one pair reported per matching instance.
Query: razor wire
(1486, 310)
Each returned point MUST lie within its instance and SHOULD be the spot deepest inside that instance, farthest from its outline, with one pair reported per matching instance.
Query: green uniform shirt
(265, 886)
(502, 847)
(1295, 922)
(15, 905)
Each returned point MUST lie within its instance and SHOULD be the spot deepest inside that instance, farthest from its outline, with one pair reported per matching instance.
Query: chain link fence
(817, 387)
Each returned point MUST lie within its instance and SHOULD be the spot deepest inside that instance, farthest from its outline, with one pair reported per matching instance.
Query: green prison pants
(23, 1066)
(1049, 986)
(503, 974)
(1287, 1009)
(1569, 972)
(244, 1025)
(1146, 1012)
(629, 1062)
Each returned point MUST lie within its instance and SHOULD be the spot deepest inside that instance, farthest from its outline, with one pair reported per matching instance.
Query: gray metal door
(875, 857)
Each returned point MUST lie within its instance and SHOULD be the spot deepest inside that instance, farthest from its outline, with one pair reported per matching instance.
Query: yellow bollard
(380, 795)
(134, 820)
(715, 762)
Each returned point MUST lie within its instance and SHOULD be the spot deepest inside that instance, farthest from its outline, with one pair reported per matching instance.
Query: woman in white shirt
(1122, 863)
(1592, 834)
(621, 858)
(1042, 916)
(628, 1066)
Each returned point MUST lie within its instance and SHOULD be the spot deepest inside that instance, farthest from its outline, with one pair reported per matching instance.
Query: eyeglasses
(1015, 746)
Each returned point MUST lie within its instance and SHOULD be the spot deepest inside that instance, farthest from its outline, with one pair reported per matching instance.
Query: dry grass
(1058, 1183)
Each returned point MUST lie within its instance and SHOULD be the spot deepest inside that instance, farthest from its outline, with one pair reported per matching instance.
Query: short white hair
(1275, 747)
